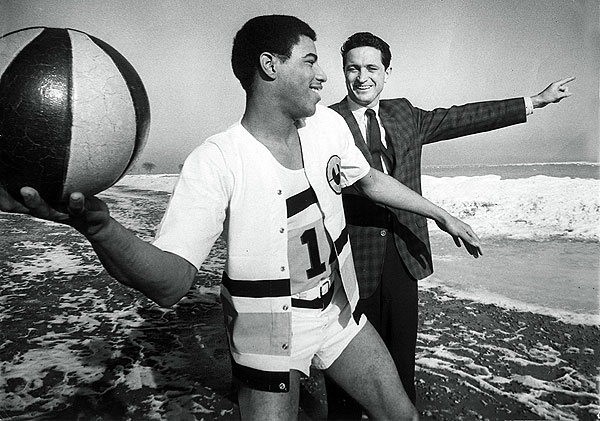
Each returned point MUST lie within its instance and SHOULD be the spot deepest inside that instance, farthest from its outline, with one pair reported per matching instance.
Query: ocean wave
(536, 208)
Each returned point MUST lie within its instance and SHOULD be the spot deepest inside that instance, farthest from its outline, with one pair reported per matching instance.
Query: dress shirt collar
(359, 111)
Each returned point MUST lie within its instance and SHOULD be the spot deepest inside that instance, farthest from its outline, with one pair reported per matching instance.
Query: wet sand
(74, 344)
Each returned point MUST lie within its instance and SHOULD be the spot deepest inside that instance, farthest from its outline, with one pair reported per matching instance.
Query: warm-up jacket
(229, 185)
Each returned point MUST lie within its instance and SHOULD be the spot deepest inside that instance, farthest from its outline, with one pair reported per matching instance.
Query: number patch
(309, 238)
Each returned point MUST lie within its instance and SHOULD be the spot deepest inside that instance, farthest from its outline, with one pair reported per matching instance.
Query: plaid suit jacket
(407, 129)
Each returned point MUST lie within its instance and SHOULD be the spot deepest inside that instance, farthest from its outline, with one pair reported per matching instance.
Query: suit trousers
(393, 311)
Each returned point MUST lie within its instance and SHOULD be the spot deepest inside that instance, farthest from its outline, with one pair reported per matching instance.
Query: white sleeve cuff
(528, 106)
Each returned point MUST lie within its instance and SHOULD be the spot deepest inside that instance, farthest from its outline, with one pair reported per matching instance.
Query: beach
(75, 344)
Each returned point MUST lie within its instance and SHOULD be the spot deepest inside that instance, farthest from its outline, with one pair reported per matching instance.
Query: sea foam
(536, 208)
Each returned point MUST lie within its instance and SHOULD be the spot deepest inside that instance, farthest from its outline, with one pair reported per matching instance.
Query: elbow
(167, 299)
(166, 302)
(166, 296)
(172, 293)
(166, 285)
(163, 297)
(173, 285)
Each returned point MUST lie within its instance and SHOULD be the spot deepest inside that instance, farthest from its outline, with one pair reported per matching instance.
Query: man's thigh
(367, 372)
(260, 405)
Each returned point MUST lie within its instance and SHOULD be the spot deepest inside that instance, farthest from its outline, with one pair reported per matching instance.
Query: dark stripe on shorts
(268, 381)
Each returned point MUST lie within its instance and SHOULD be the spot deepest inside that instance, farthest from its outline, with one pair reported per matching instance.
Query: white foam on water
(529, 208)
(537, 207)
(520, 371)
(56, 258)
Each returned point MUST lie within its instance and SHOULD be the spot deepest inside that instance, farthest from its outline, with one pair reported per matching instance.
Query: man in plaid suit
(391, 247)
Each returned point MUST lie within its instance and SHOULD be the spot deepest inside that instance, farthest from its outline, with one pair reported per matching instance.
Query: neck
(275, 130)
(267, 123)
(355, 106)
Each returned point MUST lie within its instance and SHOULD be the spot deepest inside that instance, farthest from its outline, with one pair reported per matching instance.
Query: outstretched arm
(163, 277)
(555, 92)
(386, 190)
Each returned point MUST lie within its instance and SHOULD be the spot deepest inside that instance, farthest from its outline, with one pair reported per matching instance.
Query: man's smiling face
(301, 79)
(365, 75)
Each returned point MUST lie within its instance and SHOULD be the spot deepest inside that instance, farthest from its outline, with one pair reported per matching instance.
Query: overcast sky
(444, 52)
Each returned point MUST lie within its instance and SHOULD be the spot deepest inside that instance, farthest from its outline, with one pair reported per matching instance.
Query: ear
(267, 65)
(388, 72)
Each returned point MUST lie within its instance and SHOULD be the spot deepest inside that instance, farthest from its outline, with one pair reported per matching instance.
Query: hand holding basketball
(75, 114)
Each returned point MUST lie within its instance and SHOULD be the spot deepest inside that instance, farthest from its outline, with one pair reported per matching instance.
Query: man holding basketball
(272, 185)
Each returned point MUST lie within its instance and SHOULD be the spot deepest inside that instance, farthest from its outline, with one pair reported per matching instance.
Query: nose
(320, 74)
(362, 75)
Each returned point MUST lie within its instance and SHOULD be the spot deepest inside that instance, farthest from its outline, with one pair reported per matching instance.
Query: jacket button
(284, 346)
(282, 386)
(282, 268)
(285, 307)
(383, 233)
(279, 192)
(282, 230)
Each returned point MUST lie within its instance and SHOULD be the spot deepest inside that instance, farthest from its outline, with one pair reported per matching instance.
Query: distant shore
(583, 168)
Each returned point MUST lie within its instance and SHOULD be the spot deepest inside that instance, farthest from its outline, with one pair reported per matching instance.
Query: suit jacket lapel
(388, 121)
(390, 124)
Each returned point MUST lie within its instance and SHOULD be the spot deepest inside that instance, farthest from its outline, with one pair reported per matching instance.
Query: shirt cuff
(528, 106)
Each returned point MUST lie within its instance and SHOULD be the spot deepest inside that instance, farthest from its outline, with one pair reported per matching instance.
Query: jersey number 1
(309, 237)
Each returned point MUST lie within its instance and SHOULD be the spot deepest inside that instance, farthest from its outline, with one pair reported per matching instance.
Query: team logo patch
(334, 174)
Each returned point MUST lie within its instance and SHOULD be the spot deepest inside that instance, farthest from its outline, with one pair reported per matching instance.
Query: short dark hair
(367, 39)
(276, 34)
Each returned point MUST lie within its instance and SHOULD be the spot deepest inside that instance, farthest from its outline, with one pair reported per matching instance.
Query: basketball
(74, 114)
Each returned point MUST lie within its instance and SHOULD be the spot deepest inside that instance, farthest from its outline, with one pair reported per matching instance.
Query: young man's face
(365, 75)
(302, 79)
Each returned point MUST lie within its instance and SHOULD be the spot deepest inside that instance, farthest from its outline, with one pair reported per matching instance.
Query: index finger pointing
(566, 80)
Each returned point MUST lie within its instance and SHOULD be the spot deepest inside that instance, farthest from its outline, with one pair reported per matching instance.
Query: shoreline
(481, 361)
(477, 359)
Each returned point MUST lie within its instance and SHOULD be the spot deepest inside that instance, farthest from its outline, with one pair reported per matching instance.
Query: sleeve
(528, 105)
(461, 120)
(197, 210)
(354, 165)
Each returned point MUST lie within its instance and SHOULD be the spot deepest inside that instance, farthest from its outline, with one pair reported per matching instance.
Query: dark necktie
(377, 149)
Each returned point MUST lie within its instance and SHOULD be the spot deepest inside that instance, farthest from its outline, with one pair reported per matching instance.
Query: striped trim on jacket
(230, 185)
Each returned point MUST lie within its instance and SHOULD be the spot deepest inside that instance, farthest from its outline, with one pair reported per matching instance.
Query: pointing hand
(555, 92)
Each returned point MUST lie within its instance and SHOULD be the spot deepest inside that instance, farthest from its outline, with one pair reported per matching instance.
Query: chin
(309, 110)
(305, 113)
(360, 100)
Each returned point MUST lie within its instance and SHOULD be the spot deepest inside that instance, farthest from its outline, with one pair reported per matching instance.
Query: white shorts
(318, 336)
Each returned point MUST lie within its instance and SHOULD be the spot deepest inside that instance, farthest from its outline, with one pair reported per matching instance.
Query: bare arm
(163, 277)
(388, 191)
